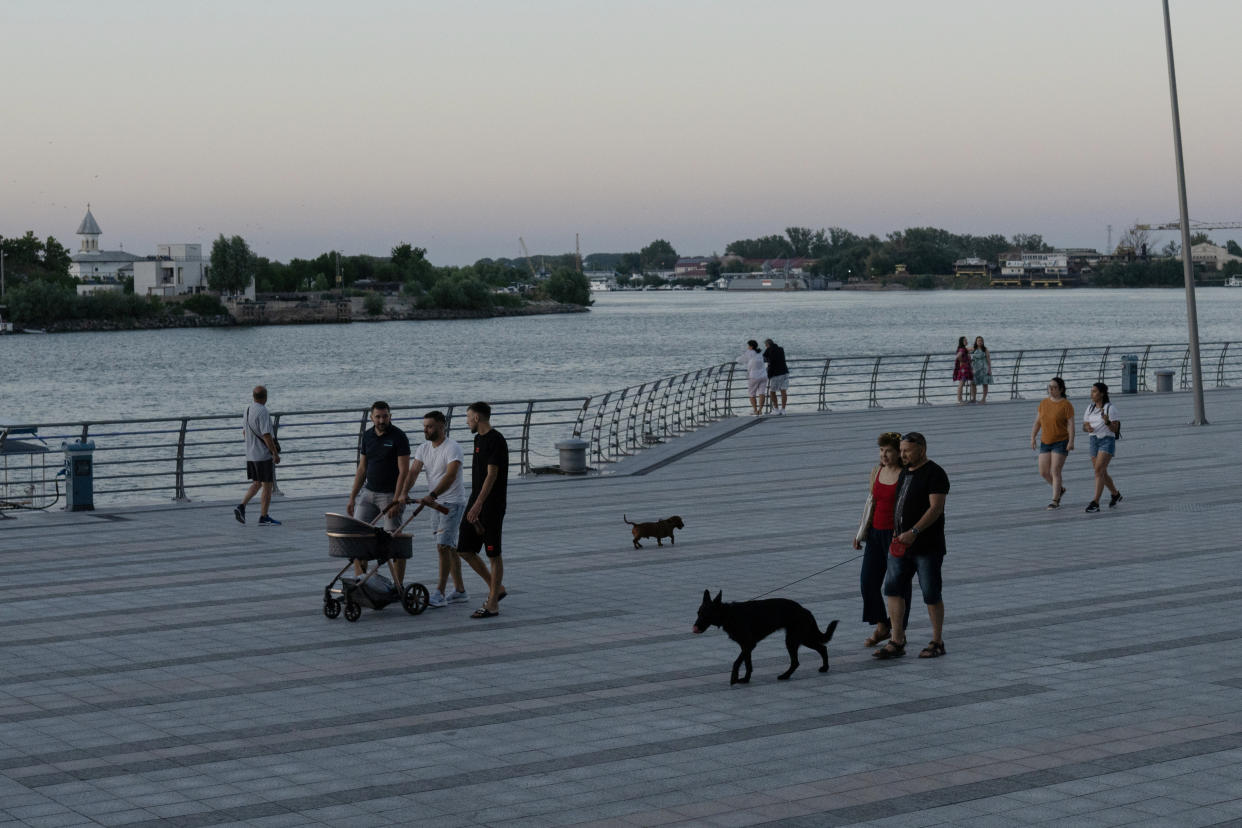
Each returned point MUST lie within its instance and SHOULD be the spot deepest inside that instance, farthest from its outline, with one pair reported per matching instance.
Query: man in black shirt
(778, 374)
(485, 510)
(383, 465)
(918, 522)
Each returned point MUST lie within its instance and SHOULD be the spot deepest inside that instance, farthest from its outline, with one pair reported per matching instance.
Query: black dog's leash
(812, 575)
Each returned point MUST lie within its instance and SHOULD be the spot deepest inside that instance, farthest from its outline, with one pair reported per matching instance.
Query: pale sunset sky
(309, 126)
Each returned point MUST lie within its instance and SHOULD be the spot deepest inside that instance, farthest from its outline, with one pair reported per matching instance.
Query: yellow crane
(1195, 226)
(529, 263)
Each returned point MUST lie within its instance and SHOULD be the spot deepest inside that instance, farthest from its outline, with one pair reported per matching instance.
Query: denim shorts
(1059, 447)
(1108, 445)
(897, 580)
(445, 528)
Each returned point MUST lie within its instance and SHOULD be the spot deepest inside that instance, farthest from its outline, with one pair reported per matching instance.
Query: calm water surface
(627, 338)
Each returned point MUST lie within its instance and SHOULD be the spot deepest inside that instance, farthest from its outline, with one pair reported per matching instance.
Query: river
(627, 338)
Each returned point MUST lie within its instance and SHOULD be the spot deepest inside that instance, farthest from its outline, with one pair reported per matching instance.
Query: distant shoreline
(226, 321)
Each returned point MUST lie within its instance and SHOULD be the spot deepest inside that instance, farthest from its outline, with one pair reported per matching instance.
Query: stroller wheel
(415, 598)
(331, 607)
(352, 611)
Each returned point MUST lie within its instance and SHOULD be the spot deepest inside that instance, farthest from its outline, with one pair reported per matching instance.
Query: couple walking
(766, 374)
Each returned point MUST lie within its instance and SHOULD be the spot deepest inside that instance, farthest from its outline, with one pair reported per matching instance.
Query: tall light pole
(1188, 265)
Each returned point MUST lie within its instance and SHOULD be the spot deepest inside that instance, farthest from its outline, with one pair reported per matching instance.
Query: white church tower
(90, 232)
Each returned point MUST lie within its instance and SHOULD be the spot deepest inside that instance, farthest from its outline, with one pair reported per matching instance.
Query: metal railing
(159, 458)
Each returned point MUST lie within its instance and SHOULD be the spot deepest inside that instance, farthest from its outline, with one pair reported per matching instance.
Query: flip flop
(483, 612)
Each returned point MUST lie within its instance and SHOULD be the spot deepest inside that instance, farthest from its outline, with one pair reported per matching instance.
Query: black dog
(749, 622)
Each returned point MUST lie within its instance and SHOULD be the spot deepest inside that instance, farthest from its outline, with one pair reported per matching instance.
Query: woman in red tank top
(876, 531)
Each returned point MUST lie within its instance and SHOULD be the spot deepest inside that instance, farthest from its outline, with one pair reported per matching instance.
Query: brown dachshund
(656, 529)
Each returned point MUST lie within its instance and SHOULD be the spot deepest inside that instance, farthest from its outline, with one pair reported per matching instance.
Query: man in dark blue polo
(383, 465)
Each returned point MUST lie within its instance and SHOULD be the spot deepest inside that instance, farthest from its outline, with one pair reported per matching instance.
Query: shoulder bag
(275, 442)
(868, 509)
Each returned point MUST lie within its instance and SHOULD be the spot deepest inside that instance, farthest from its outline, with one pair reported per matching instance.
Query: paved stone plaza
(167, 666)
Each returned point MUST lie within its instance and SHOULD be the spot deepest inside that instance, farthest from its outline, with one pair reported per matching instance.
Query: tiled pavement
(168, 666)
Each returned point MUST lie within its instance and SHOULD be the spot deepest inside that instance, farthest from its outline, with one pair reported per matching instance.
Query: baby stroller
(364, 542)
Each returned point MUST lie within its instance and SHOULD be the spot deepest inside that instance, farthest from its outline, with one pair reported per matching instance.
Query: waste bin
(1129, 373)
(573, 455)
(79, 476)
(1164, 380)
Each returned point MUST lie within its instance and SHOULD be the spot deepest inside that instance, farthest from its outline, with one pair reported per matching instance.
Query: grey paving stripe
(143, 615)
(724, 435)
(956, 794)
(1156, 646)
(601, 757)
(369, 731)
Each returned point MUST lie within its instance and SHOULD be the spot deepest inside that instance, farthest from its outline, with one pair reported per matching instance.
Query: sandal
(1056, 504)
(934, 649)
(483, 612)
(890, 650)
(875, 638)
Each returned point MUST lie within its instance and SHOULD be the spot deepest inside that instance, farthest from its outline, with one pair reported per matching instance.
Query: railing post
(1185, 383)
(823, 386)
(275, 431)
(1220, 367)
(874, 401)
(615, 432)
(728, 400)
(586, 404)
(448, 420)
(646, 420)
(1142, 377)
(86, 430)
(1061, 364)
(923, 381)
(1104, 362)
(1017, 368)
(632, 440)
(596, 443)
(179, 494)
(530, 409)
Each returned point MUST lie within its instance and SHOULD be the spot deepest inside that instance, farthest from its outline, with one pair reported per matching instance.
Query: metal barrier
(157, 458)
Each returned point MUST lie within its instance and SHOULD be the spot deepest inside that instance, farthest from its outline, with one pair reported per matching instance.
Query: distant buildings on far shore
(174, 269)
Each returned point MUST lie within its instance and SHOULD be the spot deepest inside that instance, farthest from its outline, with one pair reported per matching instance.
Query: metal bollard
(573, 455)
(79, 476)
(1164, 380)
(1129, 373)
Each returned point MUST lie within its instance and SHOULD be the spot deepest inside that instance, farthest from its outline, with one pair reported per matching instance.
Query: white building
(1211, 256)
(96, 269)
(173, 270)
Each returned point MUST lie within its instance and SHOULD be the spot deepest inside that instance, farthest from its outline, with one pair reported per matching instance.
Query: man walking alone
(262, 455)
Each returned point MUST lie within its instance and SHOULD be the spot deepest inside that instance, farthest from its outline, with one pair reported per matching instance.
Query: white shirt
(1095, 418)
(753, 360)
(435, 460)
(257, 420)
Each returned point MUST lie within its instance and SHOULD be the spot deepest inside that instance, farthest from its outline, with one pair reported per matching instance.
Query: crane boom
(526, 254)
(1194, 225)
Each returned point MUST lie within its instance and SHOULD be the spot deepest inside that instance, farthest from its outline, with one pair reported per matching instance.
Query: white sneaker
(436, 600)
(458, 597)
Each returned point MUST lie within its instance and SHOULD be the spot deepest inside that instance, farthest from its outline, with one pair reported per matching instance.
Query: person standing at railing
(756, 376)
(262, 455)
(962, 372)
(383, 465)
(1054, 428)
(441, 456)
(485, 511)
(778, 374)
(1102, 423)
(980, 369)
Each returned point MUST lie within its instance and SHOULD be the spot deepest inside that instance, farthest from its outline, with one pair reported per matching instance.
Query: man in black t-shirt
(485, 510)
(918, 522)
(383, 465)
(778, 374)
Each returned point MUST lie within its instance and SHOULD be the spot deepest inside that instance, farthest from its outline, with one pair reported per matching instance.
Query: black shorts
(261, 471)
(470, 542)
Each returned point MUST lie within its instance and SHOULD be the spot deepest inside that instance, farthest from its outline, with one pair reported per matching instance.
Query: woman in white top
(1102, 423)
(756, 376)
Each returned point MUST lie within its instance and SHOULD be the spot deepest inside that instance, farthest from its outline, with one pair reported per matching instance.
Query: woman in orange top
(1054, 426)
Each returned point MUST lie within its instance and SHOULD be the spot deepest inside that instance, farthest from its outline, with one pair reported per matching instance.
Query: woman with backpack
(1102, 423)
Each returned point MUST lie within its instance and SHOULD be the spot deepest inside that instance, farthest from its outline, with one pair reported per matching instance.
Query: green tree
(630, 264)
(373, 304)
(766, 247)
(1030, 242)
(1200, 238)
(659, 255)
(1233, 248)
(569, 286)
(232, 265)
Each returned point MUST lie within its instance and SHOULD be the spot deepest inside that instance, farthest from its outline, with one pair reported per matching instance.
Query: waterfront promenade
(167, 666)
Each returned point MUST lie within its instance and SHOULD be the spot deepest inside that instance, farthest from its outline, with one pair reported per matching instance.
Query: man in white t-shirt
(442, 458)
(262, 455)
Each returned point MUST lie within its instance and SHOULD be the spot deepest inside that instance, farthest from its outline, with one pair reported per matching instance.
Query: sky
(461, 126)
